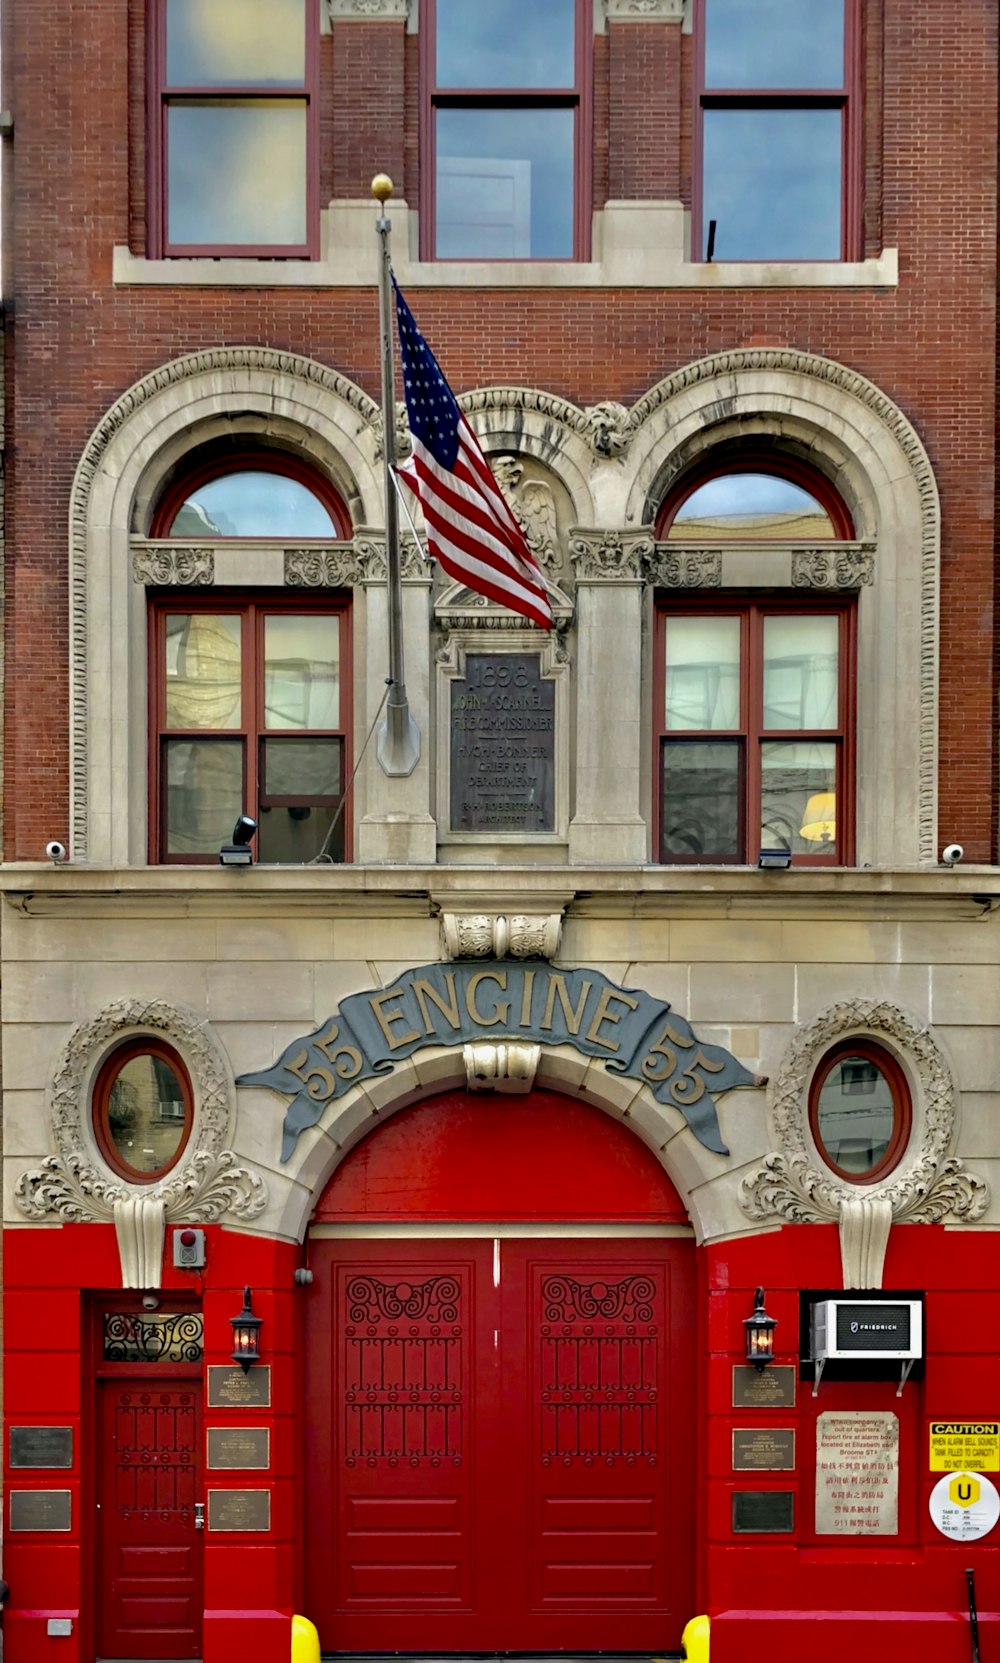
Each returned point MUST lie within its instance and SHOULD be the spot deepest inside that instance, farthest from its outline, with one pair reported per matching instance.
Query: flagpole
(398, 744)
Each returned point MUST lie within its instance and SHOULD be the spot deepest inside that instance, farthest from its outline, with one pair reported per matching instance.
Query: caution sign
(974, 1444)
(964, 1506)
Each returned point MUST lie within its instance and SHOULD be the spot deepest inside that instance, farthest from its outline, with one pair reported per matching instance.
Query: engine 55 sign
(973, 1444)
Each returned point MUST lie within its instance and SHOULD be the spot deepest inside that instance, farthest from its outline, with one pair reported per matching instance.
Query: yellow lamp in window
(819, 823)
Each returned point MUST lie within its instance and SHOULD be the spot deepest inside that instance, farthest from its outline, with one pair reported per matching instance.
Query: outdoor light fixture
(760, 1334)
(246, 1335)
(239, 852)
(774, 860)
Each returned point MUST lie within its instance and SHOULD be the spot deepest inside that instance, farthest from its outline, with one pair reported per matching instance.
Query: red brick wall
(77, 188)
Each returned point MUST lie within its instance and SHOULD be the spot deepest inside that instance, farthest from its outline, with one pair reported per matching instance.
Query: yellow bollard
(305, 1641)
(694, 1640)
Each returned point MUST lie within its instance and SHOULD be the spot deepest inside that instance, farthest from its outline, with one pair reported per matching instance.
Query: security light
(239, 852)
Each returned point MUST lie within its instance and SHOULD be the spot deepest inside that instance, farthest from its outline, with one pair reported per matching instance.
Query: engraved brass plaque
(41, 1510)
(238, 1446)
(763, 1449)
(41, 1446)
(232, 1389)
(771, 1511)
(503, 745)
(243, 1510)
(770, 1388)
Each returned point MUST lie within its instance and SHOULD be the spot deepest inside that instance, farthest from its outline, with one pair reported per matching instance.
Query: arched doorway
(500, 1381)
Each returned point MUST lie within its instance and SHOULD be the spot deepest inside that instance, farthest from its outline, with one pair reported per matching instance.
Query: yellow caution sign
(955, 1444)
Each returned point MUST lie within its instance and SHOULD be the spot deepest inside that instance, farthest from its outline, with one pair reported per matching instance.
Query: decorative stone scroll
(509, 1069)
(631, 1032)
(928, 1185)
(644, 11)
(191, 567)
(609, 556)
(378, 11)
(683, 568)
(480, 935)
(207, 1182)
(307, 568)
(369, 549)
(834, 568)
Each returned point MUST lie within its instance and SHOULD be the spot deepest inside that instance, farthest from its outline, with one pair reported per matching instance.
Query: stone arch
(302, 405)
(705, 1181)
(859, 438)
(553, 431)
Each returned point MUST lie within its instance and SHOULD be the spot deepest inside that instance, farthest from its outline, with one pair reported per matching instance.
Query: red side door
(150, 1551)
(500, 1445)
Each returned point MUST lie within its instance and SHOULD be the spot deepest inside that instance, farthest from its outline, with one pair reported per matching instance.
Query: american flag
(470, 528)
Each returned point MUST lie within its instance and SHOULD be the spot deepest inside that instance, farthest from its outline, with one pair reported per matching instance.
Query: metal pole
(970, 1577)
(398, 744)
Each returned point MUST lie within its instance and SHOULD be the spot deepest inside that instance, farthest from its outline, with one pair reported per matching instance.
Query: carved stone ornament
(834, 568)
(191, 567)
(608, 428)
(533, 506)
(322, 568)
(141, 1227)
(793, 1183)
(486, 935)
(609, 556)
(684, 568)
(509, 1069)
(404, 444)
(76, 1186)
(388, 11)
(644, 11)
(370, 553)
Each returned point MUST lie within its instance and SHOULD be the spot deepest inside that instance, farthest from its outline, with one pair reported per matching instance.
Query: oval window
(859, 1111)
(142, 1111)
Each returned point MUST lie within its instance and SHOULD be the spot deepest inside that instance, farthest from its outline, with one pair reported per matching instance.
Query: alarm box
(850, 1330)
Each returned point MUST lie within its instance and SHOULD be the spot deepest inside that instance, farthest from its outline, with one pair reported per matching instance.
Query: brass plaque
(238, 1446)
(41, 1510)
(41, 1446)
(770, 1388)
(763, 1449)
(503, 745)
(232, 1389)
(771, 1511)
(239, 1509)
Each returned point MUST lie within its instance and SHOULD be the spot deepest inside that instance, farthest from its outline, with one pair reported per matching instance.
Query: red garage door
(501, 1445)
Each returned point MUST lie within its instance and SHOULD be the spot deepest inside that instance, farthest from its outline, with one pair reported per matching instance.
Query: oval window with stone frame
(143, 1110)
(860, 1111)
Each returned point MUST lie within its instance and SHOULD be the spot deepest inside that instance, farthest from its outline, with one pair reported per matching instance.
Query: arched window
(753, 498)
(250, 695)
(142, 1110)
(859, 1111)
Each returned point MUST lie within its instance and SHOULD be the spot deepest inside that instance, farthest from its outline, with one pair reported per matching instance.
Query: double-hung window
(504, 175)
(778, 130)
(234, 148)
(755, 731)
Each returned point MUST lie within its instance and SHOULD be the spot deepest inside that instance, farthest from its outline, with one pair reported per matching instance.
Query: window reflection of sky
(772, 183)
(237, 173)
(774, 43)
(542, 139)
(737, 495)
(505, 43)
(217, 43)
(251, 503)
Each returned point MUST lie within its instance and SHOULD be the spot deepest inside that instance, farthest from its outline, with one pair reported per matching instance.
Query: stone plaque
(41, 1446)
(503, 740)
(238, 1446)
(40, 1510)
(763, 1449)
(239, 1510)
(770, 1388)
(857, 1473)
(763, 1510)
(232, 1389)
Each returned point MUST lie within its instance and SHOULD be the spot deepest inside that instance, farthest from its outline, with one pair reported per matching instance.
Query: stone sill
(38, 889)
(635, 245)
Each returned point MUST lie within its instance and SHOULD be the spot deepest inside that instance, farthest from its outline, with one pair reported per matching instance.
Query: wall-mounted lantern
(760, 1334)
(246, 1335)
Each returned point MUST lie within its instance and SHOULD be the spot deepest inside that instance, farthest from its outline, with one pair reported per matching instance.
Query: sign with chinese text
(857, 1473)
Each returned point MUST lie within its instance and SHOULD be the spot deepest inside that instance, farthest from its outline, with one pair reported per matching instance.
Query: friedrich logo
(874, 1327)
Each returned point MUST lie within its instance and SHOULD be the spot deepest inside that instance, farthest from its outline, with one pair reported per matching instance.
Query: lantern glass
(760, 1334)
(246, 1328)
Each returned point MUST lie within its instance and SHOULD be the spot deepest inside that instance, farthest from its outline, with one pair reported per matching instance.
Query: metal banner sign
(455, 1004)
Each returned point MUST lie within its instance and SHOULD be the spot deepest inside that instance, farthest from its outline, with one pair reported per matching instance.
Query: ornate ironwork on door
(163, 1337)
(598, 1369)
(155, 1455)
(404, 1393)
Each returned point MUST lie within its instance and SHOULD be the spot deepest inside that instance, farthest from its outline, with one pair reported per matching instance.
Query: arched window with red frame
(755, 718)
(250, 690)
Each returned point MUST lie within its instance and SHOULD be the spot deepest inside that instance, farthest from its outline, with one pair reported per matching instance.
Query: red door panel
(151, 1598)
(501, 1446)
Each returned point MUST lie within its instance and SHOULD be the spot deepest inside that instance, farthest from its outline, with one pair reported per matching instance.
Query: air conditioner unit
(867, 1330)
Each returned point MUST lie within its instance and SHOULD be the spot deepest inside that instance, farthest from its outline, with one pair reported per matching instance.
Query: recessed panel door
(150, 1602)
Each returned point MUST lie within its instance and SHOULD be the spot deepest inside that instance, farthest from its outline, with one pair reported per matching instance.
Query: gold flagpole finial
(382, 188)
